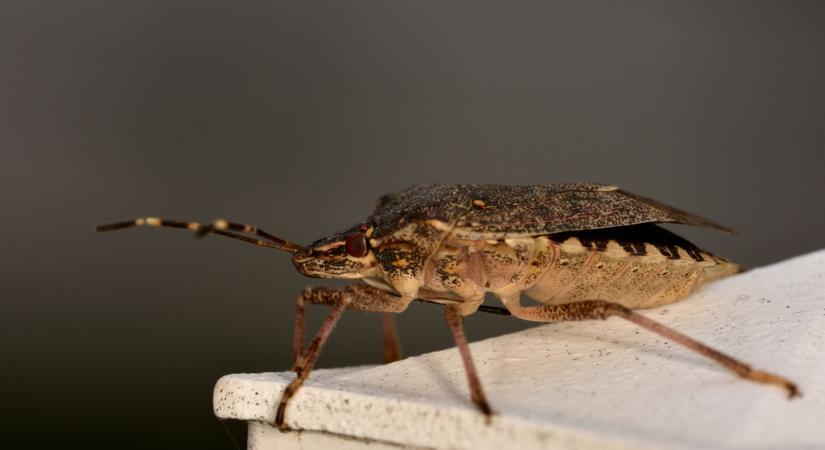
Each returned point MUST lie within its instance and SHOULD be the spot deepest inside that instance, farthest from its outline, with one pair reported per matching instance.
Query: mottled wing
(493, 211)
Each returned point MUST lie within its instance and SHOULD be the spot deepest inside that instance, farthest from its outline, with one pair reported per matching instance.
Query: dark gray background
(296, 117)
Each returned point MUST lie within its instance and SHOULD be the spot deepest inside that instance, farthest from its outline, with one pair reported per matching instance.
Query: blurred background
(296, 116)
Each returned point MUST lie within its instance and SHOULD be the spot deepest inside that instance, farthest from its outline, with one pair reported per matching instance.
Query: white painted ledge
(585, 385)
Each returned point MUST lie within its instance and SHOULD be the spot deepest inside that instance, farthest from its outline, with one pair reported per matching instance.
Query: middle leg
(456, 322)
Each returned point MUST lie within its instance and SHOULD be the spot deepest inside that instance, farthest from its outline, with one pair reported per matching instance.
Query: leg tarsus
(760, 376)
(289, 391)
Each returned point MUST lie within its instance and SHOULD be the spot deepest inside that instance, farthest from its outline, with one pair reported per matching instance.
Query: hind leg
(598, 309)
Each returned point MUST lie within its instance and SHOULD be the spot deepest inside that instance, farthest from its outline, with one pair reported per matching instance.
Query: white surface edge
(590, 385)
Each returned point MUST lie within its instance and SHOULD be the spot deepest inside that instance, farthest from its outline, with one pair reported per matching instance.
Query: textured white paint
(584, 385)
(262, 436)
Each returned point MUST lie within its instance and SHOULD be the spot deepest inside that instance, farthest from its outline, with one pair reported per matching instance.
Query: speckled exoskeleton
(581, 250)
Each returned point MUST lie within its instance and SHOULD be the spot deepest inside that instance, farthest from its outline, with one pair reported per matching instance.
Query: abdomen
(640, 266)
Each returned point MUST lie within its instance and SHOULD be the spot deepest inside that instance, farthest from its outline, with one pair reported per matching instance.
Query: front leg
(358, 297)
(370, 299)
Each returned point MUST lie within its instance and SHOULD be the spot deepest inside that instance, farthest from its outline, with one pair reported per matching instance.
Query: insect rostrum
(582, 250)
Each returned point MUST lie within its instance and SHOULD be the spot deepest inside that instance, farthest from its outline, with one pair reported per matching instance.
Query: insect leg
(357, 297)
(598, 309)
(298, 333)
(456, 322)
(366, 301)
(303, 366)
(392, 348)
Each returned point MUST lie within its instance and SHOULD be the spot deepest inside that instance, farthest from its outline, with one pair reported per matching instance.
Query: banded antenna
(221, 227)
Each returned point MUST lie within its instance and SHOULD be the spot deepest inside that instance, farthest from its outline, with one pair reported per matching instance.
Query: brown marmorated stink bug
(582, 250)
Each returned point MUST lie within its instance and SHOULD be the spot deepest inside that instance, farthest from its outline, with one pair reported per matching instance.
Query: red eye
(357, 245)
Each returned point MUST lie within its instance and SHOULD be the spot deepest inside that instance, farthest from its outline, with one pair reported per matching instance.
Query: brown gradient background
(296, 117)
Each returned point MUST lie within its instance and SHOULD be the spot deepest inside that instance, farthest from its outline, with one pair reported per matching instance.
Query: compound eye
(357, 245)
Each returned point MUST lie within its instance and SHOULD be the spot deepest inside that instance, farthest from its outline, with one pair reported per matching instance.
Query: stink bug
(582, 250)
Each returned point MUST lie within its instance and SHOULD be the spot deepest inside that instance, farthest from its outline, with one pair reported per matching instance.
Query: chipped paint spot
(153, 221)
